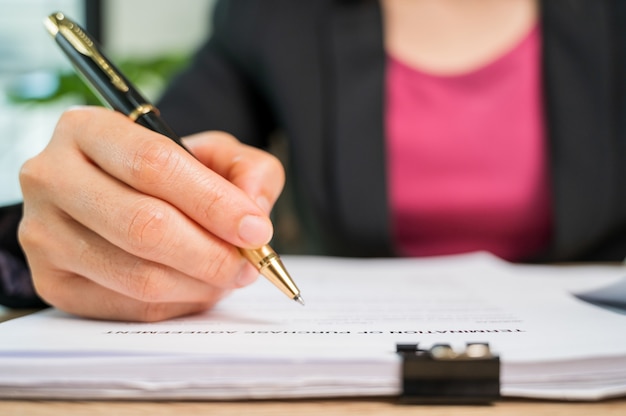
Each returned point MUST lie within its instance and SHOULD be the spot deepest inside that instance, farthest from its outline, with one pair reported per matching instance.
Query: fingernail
(255, 230)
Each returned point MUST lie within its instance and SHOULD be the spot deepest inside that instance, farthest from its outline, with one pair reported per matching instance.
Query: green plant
(151, 74)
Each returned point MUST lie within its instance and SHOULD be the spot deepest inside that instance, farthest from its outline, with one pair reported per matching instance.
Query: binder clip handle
(443, 375)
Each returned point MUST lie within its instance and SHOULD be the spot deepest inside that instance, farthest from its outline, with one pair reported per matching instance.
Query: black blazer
(315, 70)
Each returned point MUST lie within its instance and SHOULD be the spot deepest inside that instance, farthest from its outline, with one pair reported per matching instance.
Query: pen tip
(299, 299)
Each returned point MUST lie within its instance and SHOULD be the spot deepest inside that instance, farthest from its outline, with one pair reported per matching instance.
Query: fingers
(258, 173)
(144, 226)
(156, 166)
(120, 286)
(122, 223)
(111, 305)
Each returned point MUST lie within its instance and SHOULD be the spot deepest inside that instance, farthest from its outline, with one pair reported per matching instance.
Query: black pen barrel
(155, 123)
(124, 101)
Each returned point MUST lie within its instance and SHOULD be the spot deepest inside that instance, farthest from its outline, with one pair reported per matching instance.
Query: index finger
(157, 166)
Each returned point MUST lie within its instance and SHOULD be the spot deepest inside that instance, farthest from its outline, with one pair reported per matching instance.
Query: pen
(116, 91)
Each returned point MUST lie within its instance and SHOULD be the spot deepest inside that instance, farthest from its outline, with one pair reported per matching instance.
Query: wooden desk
(363, 407)
(356, 407)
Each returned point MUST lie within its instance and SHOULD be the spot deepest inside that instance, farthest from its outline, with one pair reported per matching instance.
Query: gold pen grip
(268, 263)
(260, 257)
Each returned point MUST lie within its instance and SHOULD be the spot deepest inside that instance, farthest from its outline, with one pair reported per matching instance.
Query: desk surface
(308, 408)
(357, 407)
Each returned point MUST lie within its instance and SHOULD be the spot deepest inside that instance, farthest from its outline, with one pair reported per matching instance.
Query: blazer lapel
(578, 81)
(355, 132)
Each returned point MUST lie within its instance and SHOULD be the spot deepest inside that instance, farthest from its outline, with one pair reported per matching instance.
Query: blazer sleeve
(16, 287)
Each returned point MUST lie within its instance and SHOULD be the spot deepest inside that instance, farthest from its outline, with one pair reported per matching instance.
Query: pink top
(467, 157)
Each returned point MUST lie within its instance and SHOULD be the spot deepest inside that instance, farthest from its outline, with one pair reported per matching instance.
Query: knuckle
(218, 268)
(80, 114)
(73, 117)
(39, 172)
(268, 165)
(148, 282)
(32, 174)
(31, 232)
(148, 227)
(152, 312)
(208, 201)
(224, 136)
(26, 231)
(154, 163)
(47, 292)
(157, 311)
(73, 122)
(46, 283)
(275, 166)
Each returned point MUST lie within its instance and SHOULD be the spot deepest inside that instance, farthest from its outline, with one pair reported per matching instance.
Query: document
(258, 344)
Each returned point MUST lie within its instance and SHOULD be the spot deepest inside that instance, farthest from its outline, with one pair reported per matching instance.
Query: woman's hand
(122, 223)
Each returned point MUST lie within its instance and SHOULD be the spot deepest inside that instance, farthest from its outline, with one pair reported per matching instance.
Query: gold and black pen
(116, 91)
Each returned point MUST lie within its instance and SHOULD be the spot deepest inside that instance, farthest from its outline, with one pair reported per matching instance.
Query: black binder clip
(442, 375)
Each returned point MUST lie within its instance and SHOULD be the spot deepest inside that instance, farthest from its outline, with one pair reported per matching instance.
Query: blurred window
(29, 60)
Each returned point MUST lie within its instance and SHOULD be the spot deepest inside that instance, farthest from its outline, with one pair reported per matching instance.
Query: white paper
(259, 344)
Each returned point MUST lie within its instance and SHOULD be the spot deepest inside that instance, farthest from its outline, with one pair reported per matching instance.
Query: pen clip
(57, 23)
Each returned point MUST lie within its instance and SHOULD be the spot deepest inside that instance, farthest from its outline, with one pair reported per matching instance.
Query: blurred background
(148, 39)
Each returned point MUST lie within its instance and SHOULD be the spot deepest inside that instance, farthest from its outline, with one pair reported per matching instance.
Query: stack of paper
(258, 344)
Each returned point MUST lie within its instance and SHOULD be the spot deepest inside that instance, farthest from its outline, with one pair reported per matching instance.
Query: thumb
(258, 173)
